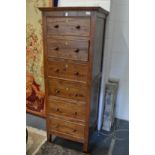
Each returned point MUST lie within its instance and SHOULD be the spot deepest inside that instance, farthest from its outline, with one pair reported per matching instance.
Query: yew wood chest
(73, 55)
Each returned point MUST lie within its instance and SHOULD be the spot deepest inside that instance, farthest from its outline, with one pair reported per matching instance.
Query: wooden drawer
(68, 70)
(68, 49)
(66, 128)
(68, 26)
(67, 89)
(68, 109)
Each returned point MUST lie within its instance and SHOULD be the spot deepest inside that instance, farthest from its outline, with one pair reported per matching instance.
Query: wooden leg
(48, 137)
(85, 147)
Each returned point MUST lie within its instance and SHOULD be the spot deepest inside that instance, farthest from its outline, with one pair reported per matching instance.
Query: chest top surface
(91, 9)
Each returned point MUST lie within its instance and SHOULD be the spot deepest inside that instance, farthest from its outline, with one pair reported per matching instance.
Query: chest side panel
(96, 69)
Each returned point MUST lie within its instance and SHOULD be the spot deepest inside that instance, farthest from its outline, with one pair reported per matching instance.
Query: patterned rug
(54, 149)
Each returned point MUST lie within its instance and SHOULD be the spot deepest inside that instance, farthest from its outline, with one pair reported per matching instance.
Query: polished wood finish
(64, 127)
(92, 9)
(68, 49)
(73, 55)
(75, 110)
(67, 89)
(68, 26)
(68, 70)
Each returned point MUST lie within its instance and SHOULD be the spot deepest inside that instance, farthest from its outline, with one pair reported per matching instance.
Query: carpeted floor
(37, 145)
(54, 149)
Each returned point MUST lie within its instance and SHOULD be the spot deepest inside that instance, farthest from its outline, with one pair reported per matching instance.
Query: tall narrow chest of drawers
(73, 55)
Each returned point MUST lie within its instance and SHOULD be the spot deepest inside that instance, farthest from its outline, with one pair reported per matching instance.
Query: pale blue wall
(117, 53)
(35, 121)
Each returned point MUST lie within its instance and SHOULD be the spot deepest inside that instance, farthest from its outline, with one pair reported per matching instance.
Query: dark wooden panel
(68, 70)
(68, 26)
(65, 108)
(67, 89)
(76, 131)
(68, 49)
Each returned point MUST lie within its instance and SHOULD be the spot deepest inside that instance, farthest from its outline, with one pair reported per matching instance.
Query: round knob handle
(76, 95)
(77, 73)
(56, 26)
(57, 91)
(78, 27)
(57, 70)
(75, 113)
(57, 48)
(74, 130)
(58, 109)
(77, 50)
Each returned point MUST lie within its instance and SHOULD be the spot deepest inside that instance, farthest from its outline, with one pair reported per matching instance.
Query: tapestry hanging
(35, 91)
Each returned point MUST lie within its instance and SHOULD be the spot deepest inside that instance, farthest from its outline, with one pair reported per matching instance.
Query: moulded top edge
(98, 9)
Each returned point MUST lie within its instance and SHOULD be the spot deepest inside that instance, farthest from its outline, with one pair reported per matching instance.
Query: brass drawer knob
(57, 70)
(57, 49)
(77, 73)
(56, 26)
(78, 27)
(57, 91)
(77, 51)
(74, 130)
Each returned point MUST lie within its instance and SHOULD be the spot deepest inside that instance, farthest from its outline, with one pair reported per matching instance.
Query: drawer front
(68, 109)
(65, 127)
(67, 70)
(68, 49)
(68, 26)
(67, 89)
